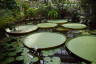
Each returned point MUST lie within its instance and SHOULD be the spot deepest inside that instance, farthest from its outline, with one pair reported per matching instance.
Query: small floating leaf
(19, 58)
(35, 59)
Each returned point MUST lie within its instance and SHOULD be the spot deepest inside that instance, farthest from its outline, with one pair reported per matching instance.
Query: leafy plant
(32, 12)
(8, 4)
(43, 10)
(6, 19)
(8, 16)
(89, 7)
(25, 6)
(53, 14)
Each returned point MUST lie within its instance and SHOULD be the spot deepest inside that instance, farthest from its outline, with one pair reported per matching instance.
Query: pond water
(13, 51)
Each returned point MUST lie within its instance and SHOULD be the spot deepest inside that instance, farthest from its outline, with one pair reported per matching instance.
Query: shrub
(32, 12)
(53, 14)
(6, 19)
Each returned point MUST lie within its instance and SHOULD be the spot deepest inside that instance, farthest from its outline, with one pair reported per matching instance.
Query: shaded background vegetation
(14, 10)
(89, 7)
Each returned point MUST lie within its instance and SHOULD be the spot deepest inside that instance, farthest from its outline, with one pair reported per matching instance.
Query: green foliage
(32, 12)
(6, 19)
(8, 4)
(53, 14)
(5, 12)
(89, 7)
(43, 10)
(17, 14)
(8, 16)
(58, 1)
(25, 6)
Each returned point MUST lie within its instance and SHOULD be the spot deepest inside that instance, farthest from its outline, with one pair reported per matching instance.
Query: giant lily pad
(83, 47)
(44, 40)
(46, 25)
(74, 26)
(22, 29)
(93, 32)
(62, 29)
(58, 21)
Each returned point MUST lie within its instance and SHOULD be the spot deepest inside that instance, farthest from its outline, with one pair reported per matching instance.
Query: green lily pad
(57, 21)
(35, 59)
(84, 47)
(93, 63)
(20, 44)
(85, 33)
(47, 53)
(93, 32)
(44, 40)
(50, 52)
(62, 29)
(56, 59)
(74, 26)
(19, 48)
(17, 51)
(47, 59)
(22, 29)
(83, 63)
(19, 58)
(25, 51)
(46, 25)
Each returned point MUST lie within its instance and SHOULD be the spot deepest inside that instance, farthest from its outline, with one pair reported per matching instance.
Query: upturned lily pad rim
(54, 25)
(66, 44)
(47, 48)
(74, 28)
(54, 21)
(20, 33)
(62, 29)
(92, 32)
